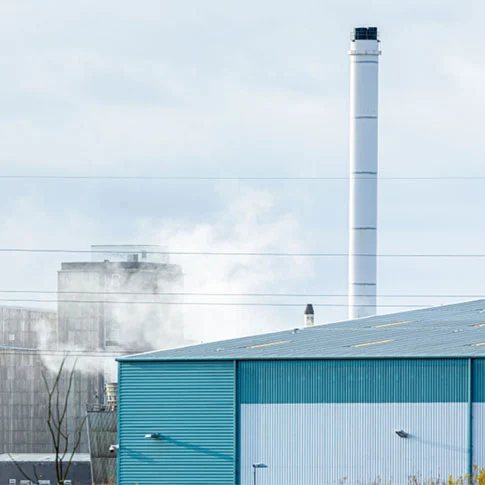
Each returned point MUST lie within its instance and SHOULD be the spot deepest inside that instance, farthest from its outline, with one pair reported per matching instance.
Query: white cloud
(27, 223)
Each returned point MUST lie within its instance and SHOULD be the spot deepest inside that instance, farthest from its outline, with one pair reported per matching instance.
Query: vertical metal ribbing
(364, 58)
(470, 420)
(237, 429)
(192, 405)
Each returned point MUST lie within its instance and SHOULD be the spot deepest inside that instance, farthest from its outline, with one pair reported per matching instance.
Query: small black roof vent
(309, 309)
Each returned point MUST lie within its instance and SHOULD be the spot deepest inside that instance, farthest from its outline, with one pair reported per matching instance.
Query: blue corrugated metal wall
(479, 380)
(325, 421)
(478, 412)
(192, 405)
(312, 421)
(353, 381)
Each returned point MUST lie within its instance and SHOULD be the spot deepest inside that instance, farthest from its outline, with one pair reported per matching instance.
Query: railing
(100, 408)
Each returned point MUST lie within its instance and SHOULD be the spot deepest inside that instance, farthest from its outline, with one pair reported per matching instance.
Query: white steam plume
(52, 353)
(248, 224)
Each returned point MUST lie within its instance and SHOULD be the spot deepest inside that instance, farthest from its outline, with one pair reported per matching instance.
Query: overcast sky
(254, 88)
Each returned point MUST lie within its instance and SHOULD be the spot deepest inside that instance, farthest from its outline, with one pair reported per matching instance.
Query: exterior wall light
(256, 467)
(153, 436)
(401, 433)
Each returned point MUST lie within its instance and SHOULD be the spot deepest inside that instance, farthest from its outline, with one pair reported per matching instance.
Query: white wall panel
(317, 444)
(478, 434)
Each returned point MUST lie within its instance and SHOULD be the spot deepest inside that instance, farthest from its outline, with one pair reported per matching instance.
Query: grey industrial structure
(371, 400)
(100, 301)
(22, 409)
(101, 310)
(102, 426)
(102, 429)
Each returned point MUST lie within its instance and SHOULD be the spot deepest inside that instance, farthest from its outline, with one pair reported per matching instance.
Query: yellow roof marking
(373, 343)
(268, 344)
(392, 324)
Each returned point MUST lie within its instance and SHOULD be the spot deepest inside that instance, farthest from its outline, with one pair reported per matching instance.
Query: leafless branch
(22, 471)
(57, 407)
(76, 444)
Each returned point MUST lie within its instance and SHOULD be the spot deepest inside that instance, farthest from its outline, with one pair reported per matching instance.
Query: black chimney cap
(309, 310)
(365, 33)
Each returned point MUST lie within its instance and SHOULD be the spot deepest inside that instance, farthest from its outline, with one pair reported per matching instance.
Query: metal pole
(254, 476)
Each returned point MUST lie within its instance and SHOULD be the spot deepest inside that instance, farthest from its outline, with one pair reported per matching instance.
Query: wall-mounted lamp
(401, 433)
(153, 435)
(256, 467)
(113, 448)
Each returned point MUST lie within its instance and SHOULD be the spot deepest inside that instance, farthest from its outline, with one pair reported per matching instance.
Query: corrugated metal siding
(321, 421)
(478, 424)
(478, 412)
(192, 405)
(319, 444)
(353, 381)
(102, 433)
(478, 380)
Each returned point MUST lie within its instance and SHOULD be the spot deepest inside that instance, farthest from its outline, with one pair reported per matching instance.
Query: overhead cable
(242, 253)
(242, 295)
(191, 303)
(235, 178)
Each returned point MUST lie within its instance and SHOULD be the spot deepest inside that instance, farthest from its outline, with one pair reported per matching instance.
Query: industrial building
(93, 317)
(112, 304)
(377, 398)
(102, 430)
(22, 410)
(28, 350)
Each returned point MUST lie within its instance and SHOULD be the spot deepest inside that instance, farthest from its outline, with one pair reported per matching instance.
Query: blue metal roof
(456, 330)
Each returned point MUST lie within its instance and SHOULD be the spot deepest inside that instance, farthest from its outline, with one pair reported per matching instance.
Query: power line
(234, 178)
(242, 253)
(195, 303)
(248, 295)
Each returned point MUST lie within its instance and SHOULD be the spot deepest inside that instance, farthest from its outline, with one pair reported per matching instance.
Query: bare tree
(64, 441)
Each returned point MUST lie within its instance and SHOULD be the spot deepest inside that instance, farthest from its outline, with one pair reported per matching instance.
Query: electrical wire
(195, 303)
(241, 253)
(242, 295)
(236, 178)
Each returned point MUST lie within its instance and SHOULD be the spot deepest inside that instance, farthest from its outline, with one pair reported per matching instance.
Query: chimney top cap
(364, 33)
(309, 309)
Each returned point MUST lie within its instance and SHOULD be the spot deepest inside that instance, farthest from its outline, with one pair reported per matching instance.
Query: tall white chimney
(364, 66)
